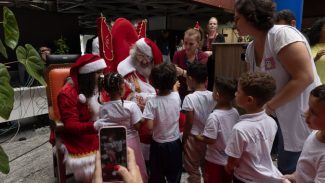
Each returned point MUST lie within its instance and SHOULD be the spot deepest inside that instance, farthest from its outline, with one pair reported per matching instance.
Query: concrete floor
(30, 153)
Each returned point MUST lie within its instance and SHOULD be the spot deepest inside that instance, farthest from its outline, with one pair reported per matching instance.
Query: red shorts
(215, 173)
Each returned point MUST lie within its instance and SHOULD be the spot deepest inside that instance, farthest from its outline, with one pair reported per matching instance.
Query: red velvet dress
(80, 139)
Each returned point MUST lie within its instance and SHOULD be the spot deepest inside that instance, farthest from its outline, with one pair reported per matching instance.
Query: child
(311, 163)
(197, 107)
(217, 131)
(161, 114)
(250, 142)
(120, 112)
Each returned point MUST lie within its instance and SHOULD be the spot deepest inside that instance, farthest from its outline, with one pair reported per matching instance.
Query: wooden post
(228, 62)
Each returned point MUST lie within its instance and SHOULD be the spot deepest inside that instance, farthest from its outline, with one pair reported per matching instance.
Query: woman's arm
(70, 116)
(296, 61)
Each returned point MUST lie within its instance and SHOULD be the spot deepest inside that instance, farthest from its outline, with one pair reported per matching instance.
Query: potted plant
(26, 55)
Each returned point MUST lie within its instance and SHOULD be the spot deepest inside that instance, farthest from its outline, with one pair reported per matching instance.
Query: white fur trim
(126, 66)
(83, 168)
(82, 98)
(93, 66)
(144, 47)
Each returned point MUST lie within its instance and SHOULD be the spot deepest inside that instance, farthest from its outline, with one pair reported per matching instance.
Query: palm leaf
(10, 27)
(32, 61)
(6, 93)
(4, 162)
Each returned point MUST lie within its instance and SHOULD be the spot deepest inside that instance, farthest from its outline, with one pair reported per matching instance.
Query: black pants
(166, 162)
(235, 180)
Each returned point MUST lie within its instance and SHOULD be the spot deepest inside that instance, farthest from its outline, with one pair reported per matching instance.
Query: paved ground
(30, 153)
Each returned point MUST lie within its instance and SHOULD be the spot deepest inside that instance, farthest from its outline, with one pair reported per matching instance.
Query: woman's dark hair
(87, 83)
(286, 15)
(315, 31)
(163, 76)
(111, 83)
(260, 13)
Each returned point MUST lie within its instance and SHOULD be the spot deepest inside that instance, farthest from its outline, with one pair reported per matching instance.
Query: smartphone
(113, 151)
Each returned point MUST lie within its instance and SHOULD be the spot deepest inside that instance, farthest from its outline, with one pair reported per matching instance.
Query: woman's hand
(129, 175)
(176, 86)
(319, 54)
(132, 173)
(209, 53)
(180, 71)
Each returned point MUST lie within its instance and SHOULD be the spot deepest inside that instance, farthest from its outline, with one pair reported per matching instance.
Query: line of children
(161, 114)
(217, 131)
(246, 144)
(197, 106)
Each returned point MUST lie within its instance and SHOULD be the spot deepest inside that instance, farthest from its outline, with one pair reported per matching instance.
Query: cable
(18, 128)
(13, 126)
(29, 151)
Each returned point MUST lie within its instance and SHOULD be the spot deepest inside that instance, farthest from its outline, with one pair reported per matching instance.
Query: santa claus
(136, 69)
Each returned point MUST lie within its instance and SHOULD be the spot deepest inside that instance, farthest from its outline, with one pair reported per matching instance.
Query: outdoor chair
(55, 76)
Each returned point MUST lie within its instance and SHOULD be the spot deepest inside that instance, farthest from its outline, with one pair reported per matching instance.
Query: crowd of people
(179, 117)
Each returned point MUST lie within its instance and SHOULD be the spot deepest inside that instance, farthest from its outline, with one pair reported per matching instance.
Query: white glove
(100, 123)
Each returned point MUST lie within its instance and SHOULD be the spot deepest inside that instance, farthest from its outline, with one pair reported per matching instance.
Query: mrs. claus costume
(80, 139)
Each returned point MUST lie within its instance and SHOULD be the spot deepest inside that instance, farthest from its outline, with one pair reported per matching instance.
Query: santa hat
(149, 48)
(85, 64)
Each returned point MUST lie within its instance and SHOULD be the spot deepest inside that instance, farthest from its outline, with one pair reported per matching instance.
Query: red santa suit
(139, 88)
(80, 139)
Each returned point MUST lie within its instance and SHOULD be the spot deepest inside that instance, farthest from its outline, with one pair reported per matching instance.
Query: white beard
(144, 71)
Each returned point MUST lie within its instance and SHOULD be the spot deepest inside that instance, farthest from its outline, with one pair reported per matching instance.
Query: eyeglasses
(143, 56)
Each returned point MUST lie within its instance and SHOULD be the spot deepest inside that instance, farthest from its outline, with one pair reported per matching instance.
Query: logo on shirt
(269, 63)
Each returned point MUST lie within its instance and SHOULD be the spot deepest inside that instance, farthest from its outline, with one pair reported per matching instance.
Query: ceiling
(200, 10)
(89, 10)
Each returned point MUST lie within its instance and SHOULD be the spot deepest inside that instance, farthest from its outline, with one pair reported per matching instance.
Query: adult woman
(283, 52)
(212, 37)
(190, 54)
(317, 42)
(80, 139)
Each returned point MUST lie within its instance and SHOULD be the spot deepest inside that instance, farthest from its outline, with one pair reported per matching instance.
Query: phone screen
(113, 151)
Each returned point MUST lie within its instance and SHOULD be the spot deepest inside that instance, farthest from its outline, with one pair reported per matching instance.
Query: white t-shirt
(293, 126)
(202, 103)
(251, 141)
(219, 126)
(126, 114)
(311, 163)
(164, 110)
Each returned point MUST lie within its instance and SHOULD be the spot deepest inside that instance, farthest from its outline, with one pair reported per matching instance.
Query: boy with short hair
(217, 130)
(250, 143)
(197, 107)
(161, 114)
(311, 163)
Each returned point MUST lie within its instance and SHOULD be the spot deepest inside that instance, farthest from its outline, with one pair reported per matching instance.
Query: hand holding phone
(113, 152)
(130, 175)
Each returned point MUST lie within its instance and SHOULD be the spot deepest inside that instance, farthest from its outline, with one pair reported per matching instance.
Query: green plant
(29, 57)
